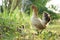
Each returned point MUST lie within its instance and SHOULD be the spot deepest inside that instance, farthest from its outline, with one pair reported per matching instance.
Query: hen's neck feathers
(35, 11)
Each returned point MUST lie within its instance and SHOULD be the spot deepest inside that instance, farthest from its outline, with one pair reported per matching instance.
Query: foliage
(11, 27)
(17, 26)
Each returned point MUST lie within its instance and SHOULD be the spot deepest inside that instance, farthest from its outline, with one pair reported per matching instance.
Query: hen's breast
(37, 23)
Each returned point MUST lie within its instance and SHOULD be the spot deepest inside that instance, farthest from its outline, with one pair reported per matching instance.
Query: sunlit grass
(17, 19)
(11, 27)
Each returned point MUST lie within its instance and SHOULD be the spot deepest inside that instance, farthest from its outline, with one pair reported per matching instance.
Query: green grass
(11, 27)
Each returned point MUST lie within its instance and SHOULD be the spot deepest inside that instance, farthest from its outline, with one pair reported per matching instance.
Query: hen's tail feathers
(46, 17)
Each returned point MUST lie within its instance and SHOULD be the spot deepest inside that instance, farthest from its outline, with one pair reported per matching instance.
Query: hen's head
(46, 17)
(34, 7)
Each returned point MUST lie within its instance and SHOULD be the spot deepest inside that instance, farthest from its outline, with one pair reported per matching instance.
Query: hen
(38, 23)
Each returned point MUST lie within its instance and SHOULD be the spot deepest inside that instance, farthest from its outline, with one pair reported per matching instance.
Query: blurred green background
(15, 21)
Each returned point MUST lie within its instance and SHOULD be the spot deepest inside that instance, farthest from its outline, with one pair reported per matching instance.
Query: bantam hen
(38, 23)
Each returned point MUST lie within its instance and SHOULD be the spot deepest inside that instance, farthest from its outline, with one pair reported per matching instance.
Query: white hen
(36, 21)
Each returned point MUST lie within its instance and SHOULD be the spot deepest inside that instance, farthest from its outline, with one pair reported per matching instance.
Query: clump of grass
(12, 27)
(17, 26)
